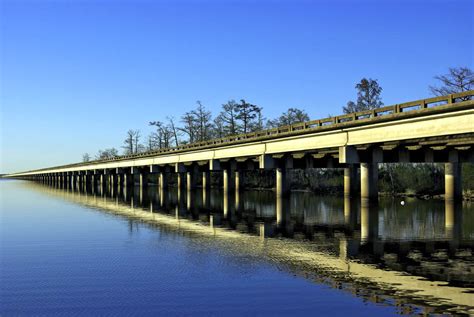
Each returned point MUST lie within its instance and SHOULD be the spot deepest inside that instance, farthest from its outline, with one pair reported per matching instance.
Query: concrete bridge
(439, 129)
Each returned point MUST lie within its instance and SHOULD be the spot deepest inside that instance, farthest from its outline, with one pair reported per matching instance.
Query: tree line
(240, 117)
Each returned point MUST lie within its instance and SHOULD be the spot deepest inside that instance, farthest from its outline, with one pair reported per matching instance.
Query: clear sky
(76, 75)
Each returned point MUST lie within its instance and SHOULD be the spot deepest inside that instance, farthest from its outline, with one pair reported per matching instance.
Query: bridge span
(439, 129)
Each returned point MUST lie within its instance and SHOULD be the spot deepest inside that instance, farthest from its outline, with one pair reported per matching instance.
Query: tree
(86, 157)
(218, 130)
(227, 118)
(174, 130)
(368, 96)
(457, 80)
(131, 142)
(259, 123)
(202, 118)
(189, 127)
(247, 113)
(107, 154)
(291, 116)
(152, 143)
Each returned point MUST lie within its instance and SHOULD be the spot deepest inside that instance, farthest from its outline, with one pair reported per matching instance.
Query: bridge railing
(304, 127)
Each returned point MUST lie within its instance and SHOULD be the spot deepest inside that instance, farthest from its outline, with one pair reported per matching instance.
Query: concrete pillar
(119, 180)
(112, 178)
(205, 198)
(226, 181)
(189, 181)
(452, 181)
(281, 184)
(237, 181)
(225, 205)
(93, 181)
(127, 179)
(162, 180)
(237, 201)
(350, 173)
(143, 179)
(162, 195)
(189, 199)
(180, 181)
(206, 180)
(368, 181)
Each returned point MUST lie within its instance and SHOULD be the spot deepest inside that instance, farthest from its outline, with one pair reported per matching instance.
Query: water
(66, 251)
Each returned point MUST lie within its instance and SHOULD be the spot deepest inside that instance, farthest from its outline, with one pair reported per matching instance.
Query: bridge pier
(162, 180)
(143, 178)
(237, 177)
(206, 181)
(452, 181)
(226, 181)
(350, 183)
(282, 188)
(189, 181)
(368, 181)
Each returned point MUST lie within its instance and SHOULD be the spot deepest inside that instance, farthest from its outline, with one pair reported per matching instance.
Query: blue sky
(76, 75)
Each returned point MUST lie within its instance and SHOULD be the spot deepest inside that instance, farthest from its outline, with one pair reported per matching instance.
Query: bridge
(439, 129)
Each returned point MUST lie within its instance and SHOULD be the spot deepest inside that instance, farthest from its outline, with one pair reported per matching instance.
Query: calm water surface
(92, 252)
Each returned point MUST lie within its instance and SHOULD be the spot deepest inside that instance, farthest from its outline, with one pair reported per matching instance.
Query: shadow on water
(416, 256)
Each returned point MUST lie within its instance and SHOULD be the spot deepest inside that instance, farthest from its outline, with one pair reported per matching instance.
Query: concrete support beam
(189, 180)
(206, 181)
(452, 181)
(350, 181)
(237, 177)
(127, 180)
(368, 181)
(143, 178)
(162, 180)
(226, 181)
(180, 181)
(281, 183)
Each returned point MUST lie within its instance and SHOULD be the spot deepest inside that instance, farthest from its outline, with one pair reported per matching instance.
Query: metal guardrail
(300, 128)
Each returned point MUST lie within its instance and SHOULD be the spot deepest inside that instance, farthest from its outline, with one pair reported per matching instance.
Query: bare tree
(131, 142)
(152, 143)
(247, 113)
(86, 157)
(457, 80)
(189, 128)
(136, 140)
(174, 130)
(368, 96)
(202, 118)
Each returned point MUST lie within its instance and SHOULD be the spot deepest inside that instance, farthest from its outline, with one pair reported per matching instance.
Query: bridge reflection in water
(417, 256)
